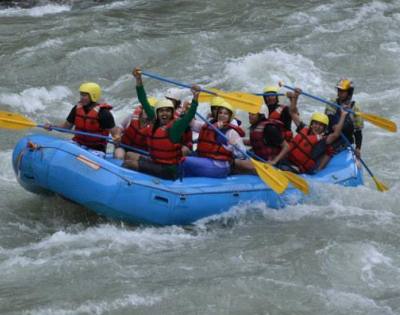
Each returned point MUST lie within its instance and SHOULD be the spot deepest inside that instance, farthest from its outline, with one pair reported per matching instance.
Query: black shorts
(148, 166)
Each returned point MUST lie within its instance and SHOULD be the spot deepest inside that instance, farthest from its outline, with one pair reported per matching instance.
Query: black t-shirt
(285, 115)
(106, 119)
(273, 136)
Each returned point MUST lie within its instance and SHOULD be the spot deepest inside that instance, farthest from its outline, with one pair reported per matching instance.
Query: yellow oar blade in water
(271, 176)
(297, 181)
(379, 185)
(379, 121)
(15, 121)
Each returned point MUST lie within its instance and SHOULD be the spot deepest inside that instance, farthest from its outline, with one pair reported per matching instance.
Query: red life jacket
(162, 150)
(260, 148)
(301, 149)
(89, 122)
(208, 146)
(134, 135)
(276, 115)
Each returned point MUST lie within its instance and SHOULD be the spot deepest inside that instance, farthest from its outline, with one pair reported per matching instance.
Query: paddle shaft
(321, 100)
(222, 135)
(352, 149)
(107, 138)
(157, 77)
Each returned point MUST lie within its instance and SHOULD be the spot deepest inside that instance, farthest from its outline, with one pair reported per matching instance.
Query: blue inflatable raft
(45, 164)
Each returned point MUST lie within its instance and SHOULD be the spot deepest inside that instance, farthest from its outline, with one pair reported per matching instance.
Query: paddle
(379, 185)
(17, 121)
(373, 119)
(206, 98)
(245, 101)
(297, 181)
(271, 176)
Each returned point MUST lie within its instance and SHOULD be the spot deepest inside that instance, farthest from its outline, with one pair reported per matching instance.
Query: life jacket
(208, 145)
(260, 148)
(161, 149)
(135, 135)
(301, 149)
(277, 115)
(349, 125)
(89, 122)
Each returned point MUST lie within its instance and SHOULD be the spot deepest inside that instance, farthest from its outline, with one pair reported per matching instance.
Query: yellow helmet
(229, 107)
(345, 85)
(321, 118)
(163, 104)
(271, 89)
(152, 100)
(91, 88)
(216, 101)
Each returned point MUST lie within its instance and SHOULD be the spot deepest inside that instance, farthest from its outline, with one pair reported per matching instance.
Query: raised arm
(179, 127)
(337, 129)
(293, 110)
(141, 93)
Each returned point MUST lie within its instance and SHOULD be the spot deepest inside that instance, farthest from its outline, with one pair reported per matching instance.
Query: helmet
(152, 100)
(345, 85)
(321, 118)
(271, 89)
(163, 104)
(91, 88)
(216, 101)
(174, 93)
(229, 107)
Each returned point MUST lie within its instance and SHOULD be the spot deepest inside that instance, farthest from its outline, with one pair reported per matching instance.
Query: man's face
(85, 99)
(253, 118)
(342, 95)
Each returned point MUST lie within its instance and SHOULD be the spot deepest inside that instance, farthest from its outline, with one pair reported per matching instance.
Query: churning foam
(36, 11)
(35, 99)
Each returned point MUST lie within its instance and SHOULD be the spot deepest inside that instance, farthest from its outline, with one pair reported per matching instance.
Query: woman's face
(224, 115)
(214, 112)
(317, 128)
(164, 115)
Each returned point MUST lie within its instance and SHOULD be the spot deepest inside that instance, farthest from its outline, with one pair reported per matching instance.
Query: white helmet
(174, 93)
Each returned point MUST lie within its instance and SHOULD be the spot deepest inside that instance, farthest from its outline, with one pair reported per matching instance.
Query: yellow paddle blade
(379, 121)
(271, 176)
(297, 181)
(15, 121)
(244, 101)
(379, 185)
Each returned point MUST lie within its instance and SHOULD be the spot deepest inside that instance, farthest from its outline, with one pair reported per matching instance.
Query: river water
(337, 254)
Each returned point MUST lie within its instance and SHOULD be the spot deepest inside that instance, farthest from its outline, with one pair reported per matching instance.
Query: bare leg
(132, 160)
(323, 161)
(244, 167)
(119, 153)
(186, 151)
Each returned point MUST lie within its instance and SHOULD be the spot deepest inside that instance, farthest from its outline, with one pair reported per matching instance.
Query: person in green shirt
(164, 135)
